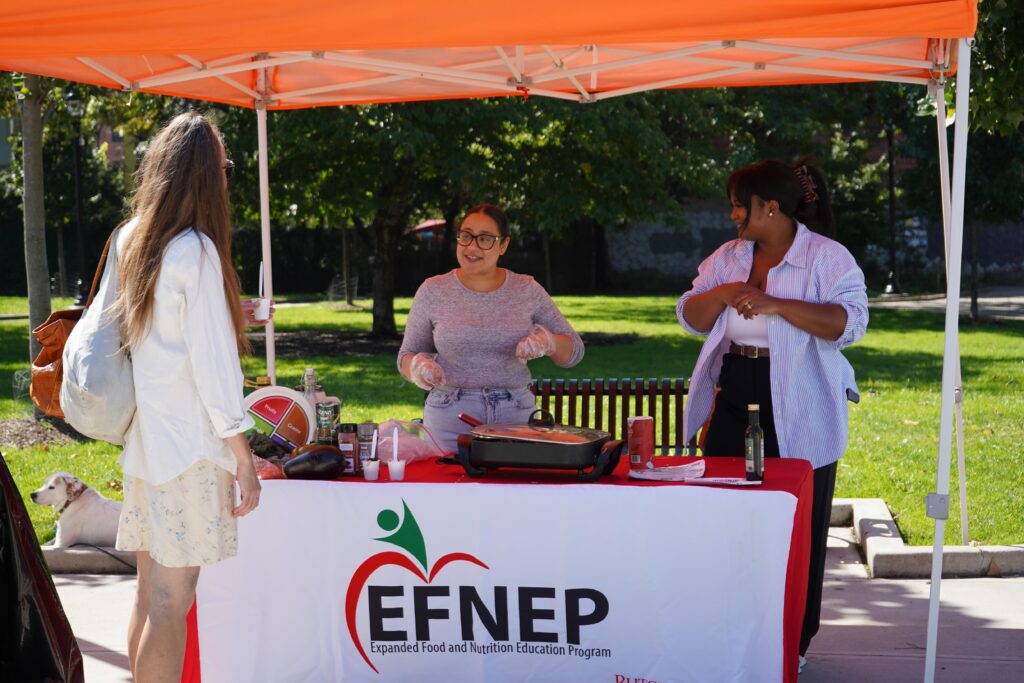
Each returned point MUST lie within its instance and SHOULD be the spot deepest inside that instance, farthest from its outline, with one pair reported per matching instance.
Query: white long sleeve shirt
(811, 379)
(188, 378)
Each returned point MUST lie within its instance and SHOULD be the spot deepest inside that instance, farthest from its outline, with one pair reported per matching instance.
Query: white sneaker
(803, 663)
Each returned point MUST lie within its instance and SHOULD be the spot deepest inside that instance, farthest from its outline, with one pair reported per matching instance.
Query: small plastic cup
(262, 309)
(396, 470)
(371, 470)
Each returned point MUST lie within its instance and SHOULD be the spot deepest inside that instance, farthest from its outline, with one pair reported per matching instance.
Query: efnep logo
(406, 535)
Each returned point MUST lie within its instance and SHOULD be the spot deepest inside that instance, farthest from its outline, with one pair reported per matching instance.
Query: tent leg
(939, 90)
(268, 279)
(937, 503)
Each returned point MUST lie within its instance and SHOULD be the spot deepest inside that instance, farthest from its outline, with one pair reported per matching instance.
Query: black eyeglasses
(229, 168)
(483, 241)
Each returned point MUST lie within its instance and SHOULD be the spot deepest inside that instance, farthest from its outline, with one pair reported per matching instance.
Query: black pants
(748, 380)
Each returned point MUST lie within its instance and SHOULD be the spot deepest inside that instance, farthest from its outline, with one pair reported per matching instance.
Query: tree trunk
(385, 234)
(974, 272)
(345, 281)
(37, 271)
(387, 228)
(451, 216)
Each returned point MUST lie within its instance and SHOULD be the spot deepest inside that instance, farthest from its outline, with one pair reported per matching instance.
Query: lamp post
(893, 286)
(76, 107)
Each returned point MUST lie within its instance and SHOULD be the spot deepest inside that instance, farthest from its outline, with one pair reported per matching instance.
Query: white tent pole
(939, 90)
(940, 120)
(268, 278)
(937, 503)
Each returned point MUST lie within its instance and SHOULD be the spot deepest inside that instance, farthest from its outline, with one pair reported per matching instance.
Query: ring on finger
(748, 305)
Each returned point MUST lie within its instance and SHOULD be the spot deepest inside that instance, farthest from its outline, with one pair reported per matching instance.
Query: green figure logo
(408, 536)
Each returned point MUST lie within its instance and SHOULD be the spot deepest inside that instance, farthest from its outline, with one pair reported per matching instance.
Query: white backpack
(97, 393)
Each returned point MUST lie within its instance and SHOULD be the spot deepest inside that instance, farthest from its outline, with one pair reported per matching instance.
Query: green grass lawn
(18, 305)
(893, 431)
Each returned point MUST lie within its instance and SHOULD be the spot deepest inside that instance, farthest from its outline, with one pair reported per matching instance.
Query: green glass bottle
(753, 439)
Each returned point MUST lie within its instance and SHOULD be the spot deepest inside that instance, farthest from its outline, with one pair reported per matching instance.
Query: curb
(89, 561)
(888, 557)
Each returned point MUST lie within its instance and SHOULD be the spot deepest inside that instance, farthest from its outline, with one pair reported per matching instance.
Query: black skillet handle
(541, 418)
(465, 445)
(605, 461)
(614, 450)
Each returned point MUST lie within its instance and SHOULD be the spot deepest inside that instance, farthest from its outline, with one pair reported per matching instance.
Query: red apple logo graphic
(408, 537)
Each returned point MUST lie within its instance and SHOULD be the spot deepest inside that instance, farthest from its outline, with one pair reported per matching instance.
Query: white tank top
(739, 330)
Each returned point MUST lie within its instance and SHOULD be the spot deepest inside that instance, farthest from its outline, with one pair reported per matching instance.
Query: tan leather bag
(48, 367)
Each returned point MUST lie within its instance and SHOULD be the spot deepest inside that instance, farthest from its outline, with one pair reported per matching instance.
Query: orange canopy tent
(323, 52)
(268, 54)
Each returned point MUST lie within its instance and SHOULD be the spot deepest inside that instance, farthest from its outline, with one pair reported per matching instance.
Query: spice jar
(365, 432)
(348, 444)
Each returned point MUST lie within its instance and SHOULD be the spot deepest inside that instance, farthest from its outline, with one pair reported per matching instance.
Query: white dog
(83, 514)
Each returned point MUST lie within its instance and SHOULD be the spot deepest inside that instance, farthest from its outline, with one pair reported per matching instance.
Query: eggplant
(320, 462)
(304, 448)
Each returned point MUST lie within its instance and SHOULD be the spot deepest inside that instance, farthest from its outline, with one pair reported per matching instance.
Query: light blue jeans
(441, 411)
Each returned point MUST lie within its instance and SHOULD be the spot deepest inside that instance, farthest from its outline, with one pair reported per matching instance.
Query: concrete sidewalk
(872, 629)
(994, 302)
(876, 629)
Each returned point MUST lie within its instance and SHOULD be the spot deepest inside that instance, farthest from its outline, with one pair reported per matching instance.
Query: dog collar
(70, 501)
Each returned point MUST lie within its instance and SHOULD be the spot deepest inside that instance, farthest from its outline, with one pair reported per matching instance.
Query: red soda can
(640, 442)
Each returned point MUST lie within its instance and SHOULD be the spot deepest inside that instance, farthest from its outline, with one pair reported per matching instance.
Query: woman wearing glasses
(471, 332)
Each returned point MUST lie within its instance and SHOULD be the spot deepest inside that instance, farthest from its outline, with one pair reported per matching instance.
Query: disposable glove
(540, 342)
(425, 372)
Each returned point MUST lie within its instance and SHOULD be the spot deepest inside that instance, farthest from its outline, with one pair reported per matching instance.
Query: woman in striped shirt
(777, 305)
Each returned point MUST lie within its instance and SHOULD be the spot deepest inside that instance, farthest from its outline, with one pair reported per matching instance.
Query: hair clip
(806, 184)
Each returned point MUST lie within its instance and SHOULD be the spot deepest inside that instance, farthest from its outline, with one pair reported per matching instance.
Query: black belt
(748, 351)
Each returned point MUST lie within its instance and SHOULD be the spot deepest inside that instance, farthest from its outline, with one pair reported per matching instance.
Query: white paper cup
(396, 470)
(371, 470)
(262, 310)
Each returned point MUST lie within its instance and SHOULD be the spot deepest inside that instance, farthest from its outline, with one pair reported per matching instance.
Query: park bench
(607, 404)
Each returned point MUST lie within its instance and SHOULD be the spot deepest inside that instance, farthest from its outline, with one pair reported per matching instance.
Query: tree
(36, 268)
(551, 164)
(997, 69)
(566, 166)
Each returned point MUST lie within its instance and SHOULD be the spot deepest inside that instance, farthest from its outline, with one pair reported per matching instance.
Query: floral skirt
(185, 522)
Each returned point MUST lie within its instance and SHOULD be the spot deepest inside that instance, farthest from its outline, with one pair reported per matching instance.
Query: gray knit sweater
(475, 333)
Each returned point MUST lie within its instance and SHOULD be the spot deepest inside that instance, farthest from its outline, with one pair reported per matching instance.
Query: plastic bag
(267, 469)
(415, 442)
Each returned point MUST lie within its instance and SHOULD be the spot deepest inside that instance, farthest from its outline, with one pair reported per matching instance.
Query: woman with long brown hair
(184, 326)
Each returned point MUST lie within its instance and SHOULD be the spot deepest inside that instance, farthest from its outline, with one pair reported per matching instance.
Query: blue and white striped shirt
(811, 379)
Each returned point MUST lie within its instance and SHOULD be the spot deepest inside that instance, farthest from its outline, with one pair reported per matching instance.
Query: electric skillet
(537, 444)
